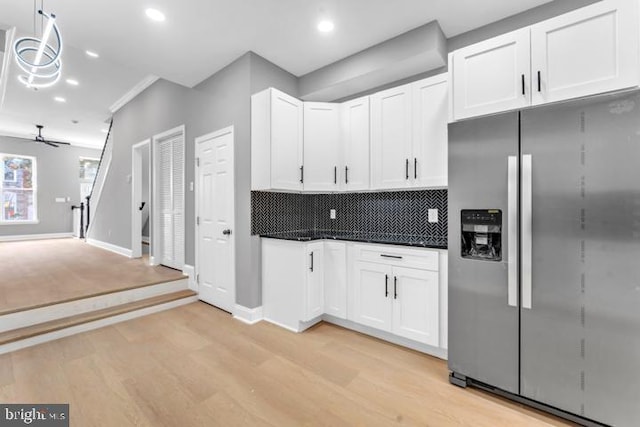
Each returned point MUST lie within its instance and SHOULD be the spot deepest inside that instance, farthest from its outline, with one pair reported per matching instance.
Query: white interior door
(215, 219)
(168, 241)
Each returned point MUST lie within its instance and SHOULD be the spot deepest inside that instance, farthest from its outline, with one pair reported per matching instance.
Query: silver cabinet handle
(512, 231)
(526, 224)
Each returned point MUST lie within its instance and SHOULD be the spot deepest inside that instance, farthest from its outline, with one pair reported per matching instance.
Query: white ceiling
(200, 37)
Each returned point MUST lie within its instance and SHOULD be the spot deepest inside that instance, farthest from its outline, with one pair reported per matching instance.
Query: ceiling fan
(40, 138)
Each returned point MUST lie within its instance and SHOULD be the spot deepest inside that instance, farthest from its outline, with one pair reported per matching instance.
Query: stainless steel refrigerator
(544, 257)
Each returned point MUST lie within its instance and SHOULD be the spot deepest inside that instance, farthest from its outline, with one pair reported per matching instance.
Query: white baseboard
(440, 353)
(18, 238)
(145, 239)
(110, 247)
(39, 339)
(250, 316)
(190, 270)
(24, 318)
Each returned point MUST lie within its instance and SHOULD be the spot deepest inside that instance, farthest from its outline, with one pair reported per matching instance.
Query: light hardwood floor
(42, 272)
(196, 366)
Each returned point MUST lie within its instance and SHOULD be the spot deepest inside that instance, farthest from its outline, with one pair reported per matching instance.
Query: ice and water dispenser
(482, 234)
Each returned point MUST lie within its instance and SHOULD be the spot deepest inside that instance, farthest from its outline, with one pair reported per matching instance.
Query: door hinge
(197, 220)
(198, 161)
(197, 278)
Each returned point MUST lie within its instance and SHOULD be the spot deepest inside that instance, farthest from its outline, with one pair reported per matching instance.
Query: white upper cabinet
(591, 50)
(430, 136)
(391, 138)
(492, 75)
(276, 141)
(354, 171)
(322, 159)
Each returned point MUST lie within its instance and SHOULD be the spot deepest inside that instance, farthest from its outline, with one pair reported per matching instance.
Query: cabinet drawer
(424, 259)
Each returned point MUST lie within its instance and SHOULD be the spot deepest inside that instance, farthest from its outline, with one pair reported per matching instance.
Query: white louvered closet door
(170, 181)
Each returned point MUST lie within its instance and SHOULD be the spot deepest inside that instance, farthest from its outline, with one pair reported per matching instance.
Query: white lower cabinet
(415, 305)
(335, 279)
(371, 303)
(292, 282)
(393, 289)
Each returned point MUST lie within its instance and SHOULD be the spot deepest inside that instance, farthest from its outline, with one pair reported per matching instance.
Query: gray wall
(220, 101)
(161, 107)
(58, 175)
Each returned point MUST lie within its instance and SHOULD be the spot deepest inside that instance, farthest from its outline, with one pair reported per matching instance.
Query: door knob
(226, 232)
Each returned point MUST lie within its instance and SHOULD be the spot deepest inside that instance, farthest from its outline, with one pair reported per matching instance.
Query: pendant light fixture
(40, 60)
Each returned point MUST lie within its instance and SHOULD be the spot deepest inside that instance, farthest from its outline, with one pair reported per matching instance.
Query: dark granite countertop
(384, 238)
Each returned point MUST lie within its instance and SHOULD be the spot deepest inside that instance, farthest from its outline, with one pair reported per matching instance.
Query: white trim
(302, 326)
(250, 316)
(140, 87)
(17, 238)
(145, 239)
(136, 193)
(197, 141)
(190, 270)
(110, 247)
(97, 196)
(438, 352)
(89, 326)
(156, 251)
(34, 316)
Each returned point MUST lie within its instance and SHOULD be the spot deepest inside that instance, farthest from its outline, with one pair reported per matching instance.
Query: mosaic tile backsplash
(402, 213)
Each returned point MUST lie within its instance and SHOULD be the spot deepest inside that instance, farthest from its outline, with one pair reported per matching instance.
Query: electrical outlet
(433, 215)
(332, 214)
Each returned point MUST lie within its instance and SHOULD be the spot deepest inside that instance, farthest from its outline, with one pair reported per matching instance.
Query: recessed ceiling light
(73, 82)
(326, 26)
(59, 99)
(155, 15)
(92, 54)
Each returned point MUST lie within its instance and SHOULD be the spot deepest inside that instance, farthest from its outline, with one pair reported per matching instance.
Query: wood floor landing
(44, 272)
(196, 366)
(67, 322)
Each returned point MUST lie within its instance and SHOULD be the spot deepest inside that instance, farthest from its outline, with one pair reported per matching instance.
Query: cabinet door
(314, 298)
(591, 50)
(430, 104)
(372, 295)
(321, 146)
(355, 170)
(492, 75)
(335, 279)
(391, 138)
(286, 141)
(416, 305)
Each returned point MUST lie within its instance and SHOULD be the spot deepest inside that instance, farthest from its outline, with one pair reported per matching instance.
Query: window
(18, 189)
(88, 172)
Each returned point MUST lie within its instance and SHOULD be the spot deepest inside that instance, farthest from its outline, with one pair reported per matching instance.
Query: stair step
(79, 319)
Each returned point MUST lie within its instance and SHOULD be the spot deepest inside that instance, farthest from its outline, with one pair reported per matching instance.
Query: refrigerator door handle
(512, 231)
(526, 221)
